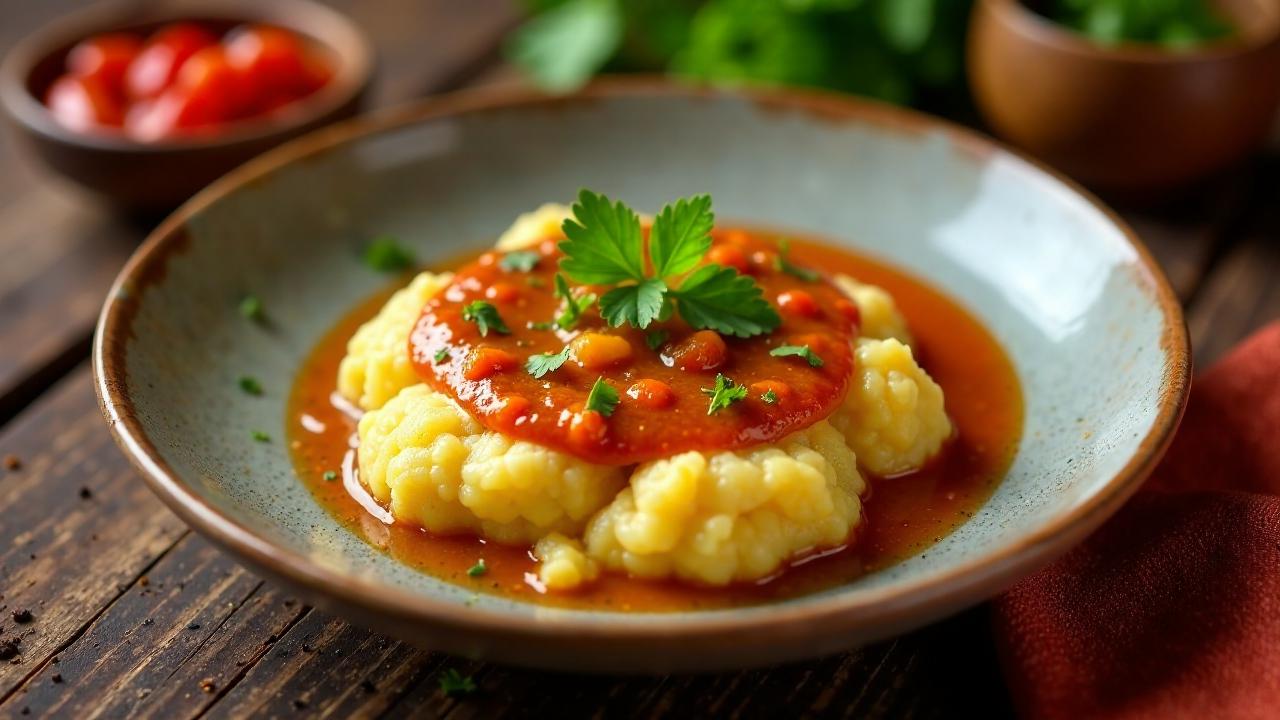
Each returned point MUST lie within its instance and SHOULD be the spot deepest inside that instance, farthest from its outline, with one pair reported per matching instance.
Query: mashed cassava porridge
(655, 414)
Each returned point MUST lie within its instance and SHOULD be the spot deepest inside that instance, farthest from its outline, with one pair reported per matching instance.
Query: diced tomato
(703, 350)
(485, 362)
(83, 104)
(164, 54)
(799, 302)
(105, 58)
(652, 393)
(274, 63)
(729, 256)
(214, 92)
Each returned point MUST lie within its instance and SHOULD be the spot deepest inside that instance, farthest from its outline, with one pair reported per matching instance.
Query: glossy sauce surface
(903, 516)
(662, 381)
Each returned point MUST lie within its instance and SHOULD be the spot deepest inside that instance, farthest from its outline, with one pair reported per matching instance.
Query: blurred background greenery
(908, 52)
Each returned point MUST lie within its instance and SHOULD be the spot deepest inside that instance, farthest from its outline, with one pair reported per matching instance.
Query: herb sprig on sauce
(605, 246)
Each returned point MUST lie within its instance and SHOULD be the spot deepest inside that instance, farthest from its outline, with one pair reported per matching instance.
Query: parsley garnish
(539, 365)
(602, 398)
(385, 254)
(250, 385)
(782, 264)
(486, 318)
(260, 436)
(454, 683)
(251, 308)
(769, 397)
(655, 338)
(330, 475)
(797, 351)
(441, 355)
(520, 260)
(540, 325)
(605, 247)
(573, 306)
(724, 394)
(478, 569)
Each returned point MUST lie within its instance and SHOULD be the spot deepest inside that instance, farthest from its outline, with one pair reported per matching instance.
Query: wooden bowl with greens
(1131, 97)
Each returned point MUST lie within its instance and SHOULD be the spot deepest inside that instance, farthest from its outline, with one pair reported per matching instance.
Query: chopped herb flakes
(782, 264)
(797, 351)
(520, 261)
(385, 254)
(330, 475)
(260, 436)
(573, 306)
(539, 365)
(250, 385)
(723, 394)
(769, 397)
(251, 308)
(455, 684)
(602, 398)
(486, 318)
(441, 355)
(478, 569)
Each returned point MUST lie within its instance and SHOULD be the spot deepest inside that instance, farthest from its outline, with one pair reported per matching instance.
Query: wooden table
(133, 614)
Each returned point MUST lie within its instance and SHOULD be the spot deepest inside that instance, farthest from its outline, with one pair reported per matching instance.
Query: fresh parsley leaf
(486, 318)
(655, 338)
(573, 306)
(250, 385)
(798, 351)
(604, 242)
(769, 397)
(782, 264)
(723, 394)
(454, 683)
(478, 569)
(251, 308)
(602, 398)
(539, 365)
(260, 436)
(681, 235)
(520, 260)
(385, 254)
(441, 355)
(718, 298)
(638, 304)
(330, 475)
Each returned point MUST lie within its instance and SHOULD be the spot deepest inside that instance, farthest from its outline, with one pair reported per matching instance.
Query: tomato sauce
(662, 384)
(903, 515)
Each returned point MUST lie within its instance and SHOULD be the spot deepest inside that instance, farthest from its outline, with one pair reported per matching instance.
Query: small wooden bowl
(1133, 119)
(152, 176)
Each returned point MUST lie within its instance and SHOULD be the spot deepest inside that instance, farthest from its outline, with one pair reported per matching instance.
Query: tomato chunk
(652, 393)
(83, 104)
(485, 362)
(105, 59)
(156, 66)
(799, 302)
(701, 351)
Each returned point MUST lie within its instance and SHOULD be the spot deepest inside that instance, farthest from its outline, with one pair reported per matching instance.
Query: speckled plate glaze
(1091, 325)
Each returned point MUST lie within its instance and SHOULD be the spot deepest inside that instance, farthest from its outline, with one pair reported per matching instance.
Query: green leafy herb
(260, 436)
(1174, 24)
(655, 338)
(605, 246)
(520, 260)
(798, 351)
(441, 355)
(251, 308)
(569, 42)
(769, 397)
(250, 385)
(455, 684)
(723, 394)
(385, 254)
(478, 569)
(718, 298)
(782, 264)
(330, 475)
(573, 306)
(602, 398)
(540, 325)
(486, 318)
(539, 365)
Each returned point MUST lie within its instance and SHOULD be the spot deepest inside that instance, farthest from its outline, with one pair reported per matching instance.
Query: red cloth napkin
(1172, 609)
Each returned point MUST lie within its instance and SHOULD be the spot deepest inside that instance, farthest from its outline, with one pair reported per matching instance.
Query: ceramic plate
(1093, 330)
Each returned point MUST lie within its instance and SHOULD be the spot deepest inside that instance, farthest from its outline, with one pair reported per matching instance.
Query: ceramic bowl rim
(895, 606)
(355, 70)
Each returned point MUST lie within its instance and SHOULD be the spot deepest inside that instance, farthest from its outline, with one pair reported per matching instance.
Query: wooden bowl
(150, 176)
(1129, 118)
